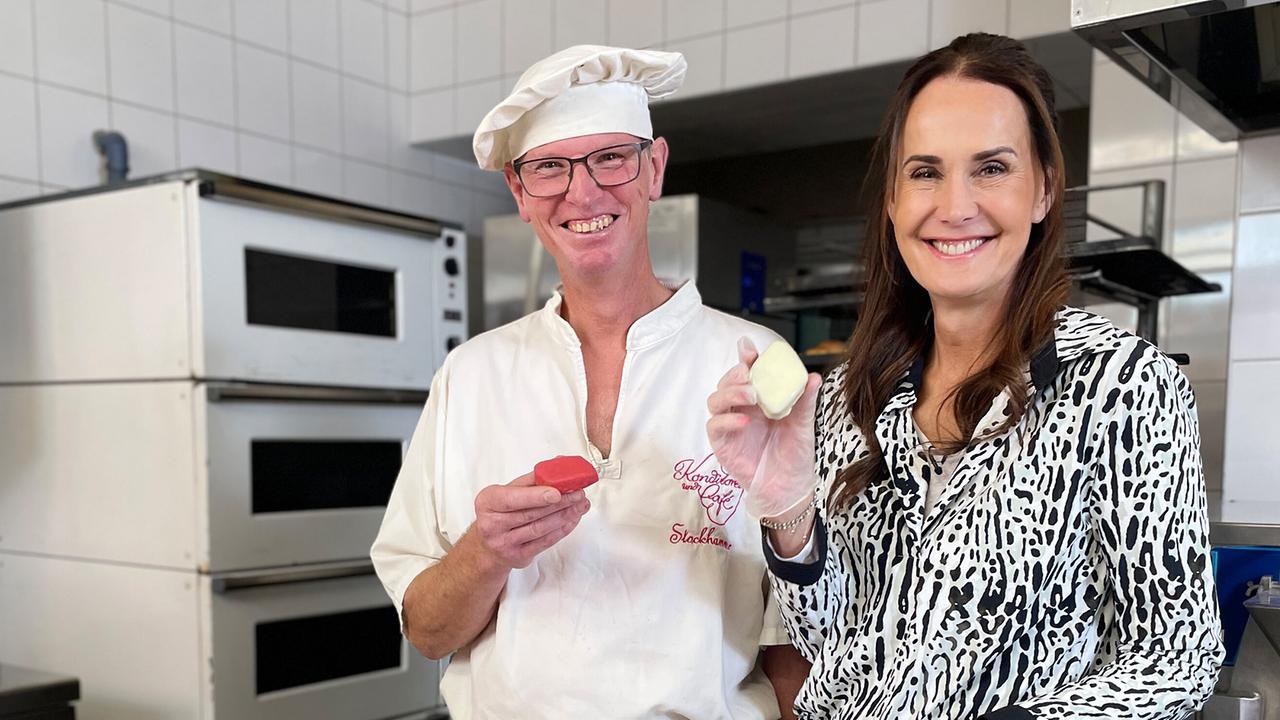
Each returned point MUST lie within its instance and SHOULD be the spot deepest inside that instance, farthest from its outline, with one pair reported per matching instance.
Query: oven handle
(229, 582)
(224, 391)
(248, 191)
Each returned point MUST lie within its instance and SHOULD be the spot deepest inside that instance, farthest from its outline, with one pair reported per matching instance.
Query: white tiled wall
(1254, 363)
(1135, 135)
(730, 44)
(307, 93)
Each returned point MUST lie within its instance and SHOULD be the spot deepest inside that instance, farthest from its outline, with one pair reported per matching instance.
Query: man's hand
(518, 520)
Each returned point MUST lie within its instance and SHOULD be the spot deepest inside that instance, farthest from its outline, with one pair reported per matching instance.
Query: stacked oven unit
(206, 389)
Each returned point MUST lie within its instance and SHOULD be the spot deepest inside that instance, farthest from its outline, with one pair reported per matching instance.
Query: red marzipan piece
(566, 473)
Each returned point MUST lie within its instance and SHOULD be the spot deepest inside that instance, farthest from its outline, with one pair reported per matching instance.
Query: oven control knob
(451, 266)
(453, 342)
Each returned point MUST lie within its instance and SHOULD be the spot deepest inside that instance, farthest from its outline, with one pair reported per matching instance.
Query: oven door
(311, 644)
(299, 475)
(295, 298)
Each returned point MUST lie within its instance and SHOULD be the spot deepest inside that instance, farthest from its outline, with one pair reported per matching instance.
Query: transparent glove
(773, 459)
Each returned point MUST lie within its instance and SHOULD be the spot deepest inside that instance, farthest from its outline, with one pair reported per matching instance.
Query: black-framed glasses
(609, 167)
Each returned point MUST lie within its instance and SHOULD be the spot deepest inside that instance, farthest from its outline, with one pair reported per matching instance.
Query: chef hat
(582, 90)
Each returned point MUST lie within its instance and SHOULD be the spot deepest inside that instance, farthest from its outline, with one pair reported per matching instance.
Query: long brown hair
(893, 326)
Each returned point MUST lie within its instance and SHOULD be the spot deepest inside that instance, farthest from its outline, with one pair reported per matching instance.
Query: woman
(1009, 518)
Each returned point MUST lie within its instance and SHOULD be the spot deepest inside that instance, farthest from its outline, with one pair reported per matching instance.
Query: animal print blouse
(1063, 573)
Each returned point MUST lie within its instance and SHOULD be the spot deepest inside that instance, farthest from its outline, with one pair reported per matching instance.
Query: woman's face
(967, 189)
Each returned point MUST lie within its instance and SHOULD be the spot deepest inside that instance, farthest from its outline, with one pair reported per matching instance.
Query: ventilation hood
(1217, 61)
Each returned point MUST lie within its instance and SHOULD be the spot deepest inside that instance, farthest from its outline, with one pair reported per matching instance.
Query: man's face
(589, 229)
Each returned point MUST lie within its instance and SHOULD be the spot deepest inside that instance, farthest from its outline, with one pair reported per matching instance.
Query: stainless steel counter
(1243, 523)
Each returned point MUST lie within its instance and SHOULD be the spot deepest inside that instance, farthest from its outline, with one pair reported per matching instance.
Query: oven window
(294, 292)
(302, 651)
(292, 475)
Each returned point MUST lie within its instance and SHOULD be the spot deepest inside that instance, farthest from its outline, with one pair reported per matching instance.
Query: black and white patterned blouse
(1063, 573)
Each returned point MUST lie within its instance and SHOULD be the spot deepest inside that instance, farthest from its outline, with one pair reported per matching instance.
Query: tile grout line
(35, 91)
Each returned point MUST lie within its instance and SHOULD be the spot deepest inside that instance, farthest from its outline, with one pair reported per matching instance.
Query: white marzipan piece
(779, 377)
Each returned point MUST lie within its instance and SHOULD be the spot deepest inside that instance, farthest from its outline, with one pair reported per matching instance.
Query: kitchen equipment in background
(728, 251)
(206, 389)
(1216, 61)
(1246, 564)
(27, 694)
(194, 274)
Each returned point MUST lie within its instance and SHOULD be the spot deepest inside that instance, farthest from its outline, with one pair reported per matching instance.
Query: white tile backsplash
(163, 8)
(822, 42)
(748, 12)
(756, 55)
(1204, 213)
(1253, 394)
(526, 33)
(1255, 308)
(474, 102)
(365, 183)
(262, 85)
(408, 192)
(1028, 18)
(364, 40)
(206, 146)
(17, 51)
(801, 7)
(431, 41)
(212, 15)
(152, 137)
(398, 52)
(317, 96)
(263, 22)
(67, 121)
(1194, 143)
(635, 23)
(690, 18)
(580, 22)
(71, 43)
(18, 154)
(265, 160)
(364, 121)
(431, 114)
(317, 172)
(313, 31)
(1260, 174)
(1129, 124)
(705, 56)
(417, 6)
(205, 74)
(141, 50)
(909, 37)
(17, 190)
(952, 18)
(478, 41)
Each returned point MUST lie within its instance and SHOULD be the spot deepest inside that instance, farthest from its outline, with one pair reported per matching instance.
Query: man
(644, 595)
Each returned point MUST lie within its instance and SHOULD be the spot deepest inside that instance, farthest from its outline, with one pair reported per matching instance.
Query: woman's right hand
(772, 459)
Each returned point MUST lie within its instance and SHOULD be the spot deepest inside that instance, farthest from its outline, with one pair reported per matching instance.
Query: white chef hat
(582, 90)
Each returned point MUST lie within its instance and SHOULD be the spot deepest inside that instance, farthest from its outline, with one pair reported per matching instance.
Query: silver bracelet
(791, 525)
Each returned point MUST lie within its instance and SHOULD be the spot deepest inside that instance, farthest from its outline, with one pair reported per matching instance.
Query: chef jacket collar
(658, 324)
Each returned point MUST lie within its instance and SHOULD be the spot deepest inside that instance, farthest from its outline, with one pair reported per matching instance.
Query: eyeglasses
(609, 167)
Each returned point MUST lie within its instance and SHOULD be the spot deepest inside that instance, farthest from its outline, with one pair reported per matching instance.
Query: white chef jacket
(657, 603)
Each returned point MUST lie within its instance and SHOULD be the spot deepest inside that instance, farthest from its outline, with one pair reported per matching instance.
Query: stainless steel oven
(321, 642)
(198, 275)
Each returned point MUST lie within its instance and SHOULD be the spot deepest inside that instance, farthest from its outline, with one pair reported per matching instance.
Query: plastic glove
(773, 459)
